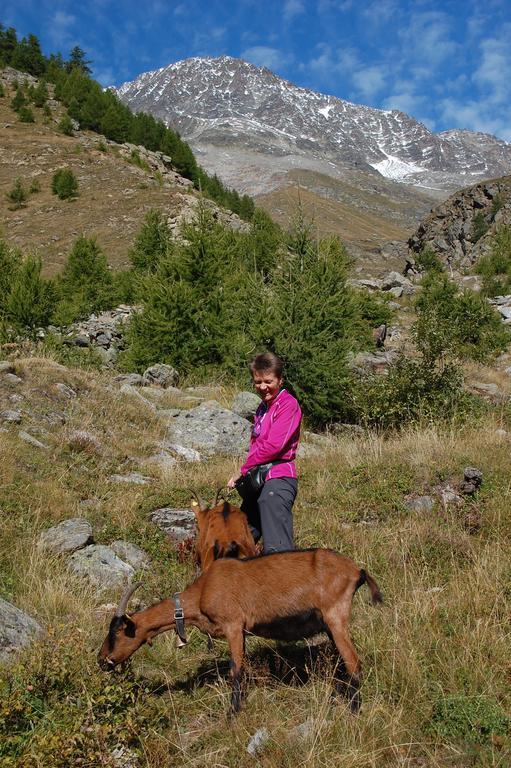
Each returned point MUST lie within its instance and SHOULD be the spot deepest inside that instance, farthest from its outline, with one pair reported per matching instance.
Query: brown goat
(222, 531)
(283, 596)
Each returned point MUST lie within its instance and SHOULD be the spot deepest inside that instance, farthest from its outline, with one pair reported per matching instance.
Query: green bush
(472, 719)
(479, 226)
(64, 184)
(26, 115)
(18, 100)
(17, 195)
(458, 324)
(65, 125)
(429, 261)
(152, 242)
(35, 187)
(2, 91)
(495, 267)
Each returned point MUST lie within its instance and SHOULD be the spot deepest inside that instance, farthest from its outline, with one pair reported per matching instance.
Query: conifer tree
(18, 195)
(31, 299)
(152, 243)
(314, 322)
(85, 284)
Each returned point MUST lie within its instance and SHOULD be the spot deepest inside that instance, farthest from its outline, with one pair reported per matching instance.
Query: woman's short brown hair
(267, 361)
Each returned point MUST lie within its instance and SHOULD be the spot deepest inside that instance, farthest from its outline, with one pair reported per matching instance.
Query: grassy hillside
(114, 194)
(436, 655)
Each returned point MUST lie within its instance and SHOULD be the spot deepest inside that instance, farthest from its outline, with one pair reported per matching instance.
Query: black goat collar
(179, 618)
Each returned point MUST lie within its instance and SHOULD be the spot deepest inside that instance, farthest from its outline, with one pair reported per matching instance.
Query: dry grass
(114, 195)
(443, 634)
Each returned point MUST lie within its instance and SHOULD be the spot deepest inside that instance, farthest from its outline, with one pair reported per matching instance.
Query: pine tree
(31, 299)
(64, 184)
(77, 61)
(152, 243)
(313, 323)
(85, 284)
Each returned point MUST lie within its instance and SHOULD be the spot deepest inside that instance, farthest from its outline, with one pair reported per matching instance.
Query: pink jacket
(275, 435)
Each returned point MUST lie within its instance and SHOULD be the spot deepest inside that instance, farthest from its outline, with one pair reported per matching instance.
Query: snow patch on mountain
(396, 169)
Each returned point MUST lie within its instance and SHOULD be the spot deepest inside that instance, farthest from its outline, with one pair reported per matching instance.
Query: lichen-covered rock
(131, 554)
(245, 404)
(101, 566)
(210, 429)
(179, 524)
(162, 375)
(17, 630)
(66, 537)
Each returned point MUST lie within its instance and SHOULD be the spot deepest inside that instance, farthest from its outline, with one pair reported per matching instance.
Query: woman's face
(267, 384)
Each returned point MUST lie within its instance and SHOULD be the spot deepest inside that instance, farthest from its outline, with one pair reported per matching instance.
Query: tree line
(102, 111)
(212, 297)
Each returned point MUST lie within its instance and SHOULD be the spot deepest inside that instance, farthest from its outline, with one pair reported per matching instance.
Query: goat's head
(125, 635)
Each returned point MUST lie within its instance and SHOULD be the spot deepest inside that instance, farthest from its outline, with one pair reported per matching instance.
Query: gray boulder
(101, 566)
(210, 428)
(28, 438)
(11, 417)
(420, 504)
(245, 404)
(131, 554)
(17, 630)
(132, 477)
(179, 524)
(161, 375)
(68, 536)
(6, 367)
(134, 379)
(182, 452)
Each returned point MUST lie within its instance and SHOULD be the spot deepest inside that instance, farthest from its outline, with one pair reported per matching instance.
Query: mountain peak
(229, 103)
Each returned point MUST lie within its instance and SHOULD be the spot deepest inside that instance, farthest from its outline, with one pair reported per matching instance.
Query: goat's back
(281, 584)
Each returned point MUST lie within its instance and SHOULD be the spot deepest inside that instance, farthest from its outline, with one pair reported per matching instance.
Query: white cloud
(293, 8)
(264, 56)
(369, 81)
(493, 76)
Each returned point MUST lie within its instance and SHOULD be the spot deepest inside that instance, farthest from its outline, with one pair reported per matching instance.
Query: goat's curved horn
(123, 602)
(217, 496)
(202, 505)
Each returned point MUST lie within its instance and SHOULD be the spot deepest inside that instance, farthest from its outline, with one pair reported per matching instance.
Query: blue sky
(446, 63)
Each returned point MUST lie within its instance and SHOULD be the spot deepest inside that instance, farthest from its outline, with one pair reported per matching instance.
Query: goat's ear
(129, 626)
(197, 509)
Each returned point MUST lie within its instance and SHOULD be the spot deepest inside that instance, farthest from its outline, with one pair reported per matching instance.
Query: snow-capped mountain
(252, 127)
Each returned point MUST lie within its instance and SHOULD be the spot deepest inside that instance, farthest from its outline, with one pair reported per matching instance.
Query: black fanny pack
(251, 483)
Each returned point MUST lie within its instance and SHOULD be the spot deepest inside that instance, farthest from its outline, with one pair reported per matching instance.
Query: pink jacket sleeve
(281, 439)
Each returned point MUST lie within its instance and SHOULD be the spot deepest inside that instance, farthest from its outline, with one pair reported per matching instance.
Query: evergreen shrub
(17, 195)
(65, 126)
(26, 115)
(495, 267)
(31, 299)
(64, 184)
(85, 284)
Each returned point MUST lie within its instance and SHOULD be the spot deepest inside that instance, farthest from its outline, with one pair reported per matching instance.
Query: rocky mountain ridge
(461, 229)
(256, 120)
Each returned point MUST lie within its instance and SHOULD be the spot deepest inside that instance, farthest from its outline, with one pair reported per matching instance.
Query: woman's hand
(232, 480)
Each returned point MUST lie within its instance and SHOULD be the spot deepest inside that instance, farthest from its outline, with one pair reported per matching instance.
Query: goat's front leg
(236, 641)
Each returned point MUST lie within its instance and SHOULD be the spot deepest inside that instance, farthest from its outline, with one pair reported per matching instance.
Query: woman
(275, 436)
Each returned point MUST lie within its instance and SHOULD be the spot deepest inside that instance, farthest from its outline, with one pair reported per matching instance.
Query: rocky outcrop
(461, 229)
(17, 630)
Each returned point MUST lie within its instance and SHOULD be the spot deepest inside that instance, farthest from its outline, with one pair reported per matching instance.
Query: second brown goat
(283, 596)
(222, 531)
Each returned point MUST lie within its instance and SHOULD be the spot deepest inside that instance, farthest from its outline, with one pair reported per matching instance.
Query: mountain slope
(229, 104)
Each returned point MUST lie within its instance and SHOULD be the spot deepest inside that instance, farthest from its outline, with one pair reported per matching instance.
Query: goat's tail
(365, 578)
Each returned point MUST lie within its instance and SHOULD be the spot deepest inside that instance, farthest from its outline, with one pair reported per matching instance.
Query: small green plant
(18, 100)
(35, 187)
(26, 115)
(65, 125)
(64, 184)
(47, 111)
(159, 178)
(2, 91)
(135, 159)
(429, 261)
(102, 147)
(469, 718)
(479, 227)
(18, 195)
